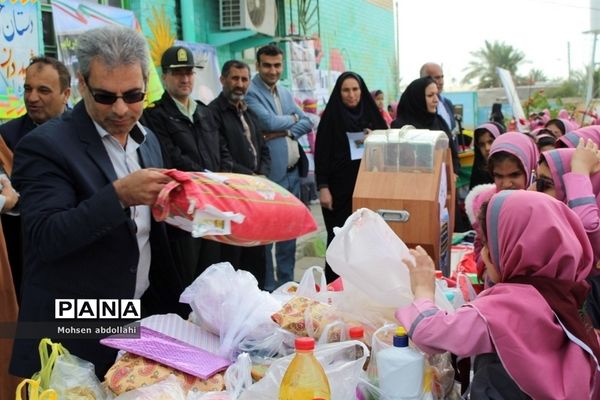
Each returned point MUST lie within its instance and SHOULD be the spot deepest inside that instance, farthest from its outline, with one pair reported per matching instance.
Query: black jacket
(232, 131)
(187, 146)
(13, 131)
(79, 242)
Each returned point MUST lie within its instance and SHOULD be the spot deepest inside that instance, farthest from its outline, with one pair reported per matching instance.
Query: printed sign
(20, 40)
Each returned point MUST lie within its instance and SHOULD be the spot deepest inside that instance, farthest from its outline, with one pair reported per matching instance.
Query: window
(114, 3)
(48, 30)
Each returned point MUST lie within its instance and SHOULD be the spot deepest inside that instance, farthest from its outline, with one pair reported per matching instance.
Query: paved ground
(308, 246)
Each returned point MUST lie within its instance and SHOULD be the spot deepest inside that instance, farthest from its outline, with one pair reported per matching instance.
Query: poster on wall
(303, 66)
(73, 17)
(206, 84)
(308, 79)
(20, 39)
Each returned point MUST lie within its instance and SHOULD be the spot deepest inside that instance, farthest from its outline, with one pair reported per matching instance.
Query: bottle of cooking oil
(305, 378)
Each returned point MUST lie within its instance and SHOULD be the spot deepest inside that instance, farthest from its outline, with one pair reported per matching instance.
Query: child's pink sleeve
(581, 199)
(463, 333)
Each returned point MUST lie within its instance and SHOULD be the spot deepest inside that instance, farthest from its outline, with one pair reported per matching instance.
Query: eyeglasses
(437, 77)
(110, 98)
(542, 184)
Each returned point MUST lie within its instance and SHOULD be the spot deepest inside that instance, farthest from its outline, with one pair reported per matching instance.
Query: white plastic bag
(439, 375)
(168, 389)
(279, 343)
(285, 292)
(72, 376)
(237, 379)
(309, 287)
(368, 255)
(230, 304)
(238, 376)
(342, 372)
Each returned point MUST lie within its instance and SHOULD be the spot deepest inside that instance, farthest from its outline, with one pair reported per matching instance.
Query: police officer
(191, 142)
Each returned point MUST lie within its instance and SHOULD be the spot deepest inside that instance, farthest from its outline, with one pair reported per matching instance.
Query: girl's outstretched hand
(422, 274)
(586, 159)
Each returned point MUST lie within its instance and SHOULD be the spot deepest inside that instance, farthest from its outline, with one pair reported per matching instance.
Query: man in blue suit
(86, 182)
(282, 122)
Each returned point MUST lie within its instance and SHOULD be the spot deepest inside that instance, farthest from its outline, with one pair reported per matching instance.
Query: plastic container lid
(400, 338)
(356, 332)
(304, 343)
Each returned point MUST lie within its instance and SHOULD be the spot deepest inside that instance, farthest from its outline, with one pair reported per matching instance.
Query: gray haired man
(87, 181)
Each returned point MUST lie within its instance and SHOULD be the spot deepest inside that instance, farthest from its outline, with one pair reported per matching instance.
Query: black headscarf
(412, 110)
(412, 107)
(332, 152)
(365, 115)
(497, 116)
(480, 174)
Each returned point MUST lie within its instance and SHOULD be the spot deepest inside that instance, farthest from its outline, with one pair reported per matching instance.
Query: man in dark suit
(47, 89)
(86, 183)
(250, 154)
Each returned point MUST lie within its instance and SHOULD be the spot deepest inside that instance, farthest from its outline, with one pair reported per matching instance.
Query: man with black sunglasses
(191, 142)
(87, 181)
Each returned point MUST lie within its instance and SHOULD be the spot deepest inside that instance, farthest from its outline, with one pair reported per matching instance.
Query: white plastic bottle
(400, 369)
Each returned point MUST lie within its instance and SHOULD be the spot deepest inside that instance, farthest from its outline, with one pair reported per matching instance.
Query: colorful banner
(207, 85)
(20, 39)
(73, 17)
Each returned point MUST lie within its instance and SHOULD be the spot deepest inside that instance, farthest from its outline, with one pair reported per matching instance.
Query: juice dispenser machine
(406, 176)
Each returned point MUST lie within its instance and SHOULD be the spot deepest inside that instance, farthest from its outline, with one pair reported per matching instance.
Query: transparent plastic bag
(279, 343)
(238, 376)
(209, 396)
(368, 255)
(237, 379)
(169, 389)
(463, 282)
(309, 287)
(439, 374)
(342, 372)
(442, 376)
(285, 292)
(336, 331)
(366, 390)
(72, 376)
(382, 339)
(230, 304)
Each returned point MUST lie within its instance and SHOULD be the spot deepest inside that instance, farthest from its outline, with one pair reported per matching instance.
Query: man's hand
(586, 158)
(325, 198)
(422, 274)
(7, 191)
(140, 187)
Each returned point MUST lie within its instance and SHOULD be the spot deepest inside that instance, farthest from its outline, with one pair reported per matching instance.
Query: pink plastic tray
(170, 352)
